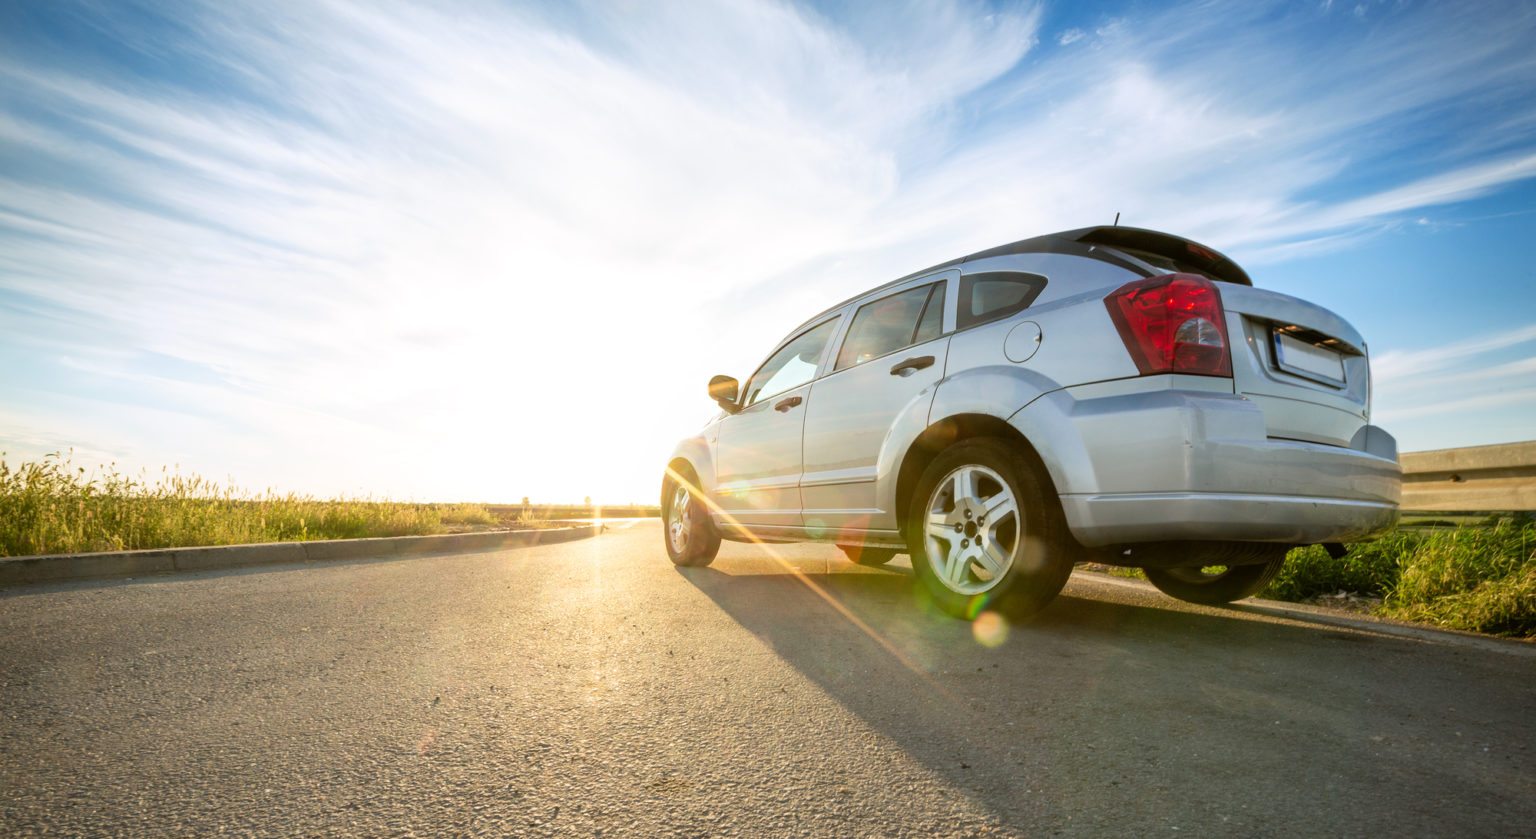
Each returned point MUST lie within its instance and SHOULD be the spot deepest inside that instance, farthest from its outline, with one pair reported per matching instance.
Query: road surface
(593, 689)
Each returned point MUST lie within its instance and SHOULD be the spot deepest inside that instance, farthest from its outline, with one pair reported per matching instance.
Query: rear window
(993, 295)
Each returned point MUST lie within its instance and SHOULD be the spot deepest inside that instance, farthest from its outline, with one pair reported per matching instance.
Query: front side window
(890, 323)
(792, 366)
(993, 295)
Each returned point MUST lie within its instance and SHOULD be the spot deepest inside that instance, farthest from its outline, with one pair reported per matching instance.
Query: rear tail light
(1172, 324)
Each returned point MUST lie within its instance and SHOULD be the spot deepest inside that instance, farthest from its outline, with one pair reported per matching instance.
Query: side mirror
(723, 389)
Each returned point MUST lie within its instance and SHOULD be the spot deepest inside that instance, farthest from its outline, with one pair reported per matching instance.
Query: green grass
(53, 506)
(1478, 575)
(1477, 578)
(465, 514)
(1370, 568)
(1483, 579)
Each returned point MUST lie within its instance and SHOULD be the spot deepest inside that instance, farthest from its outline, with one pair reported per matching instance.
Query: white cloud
(1470, 408)
(1485, 383)
(1400, 364)
(489, 253)
(463, 240)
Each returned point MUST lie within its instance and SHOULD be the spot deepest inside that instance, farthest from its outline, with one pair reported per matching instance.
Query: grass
(1474, 576)
(1478, 575)
(53, 506)
(466, 514)
(1480, 578)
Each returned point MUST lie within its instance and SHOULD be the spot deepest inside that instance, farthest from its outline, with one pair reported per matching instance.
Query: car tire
(690, 534)
(1233, 582)
(869, 556)
(985, 532)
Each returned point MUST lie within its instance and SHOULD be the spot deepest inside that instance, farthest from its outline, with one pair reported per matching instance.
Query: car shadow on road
(1101, 707)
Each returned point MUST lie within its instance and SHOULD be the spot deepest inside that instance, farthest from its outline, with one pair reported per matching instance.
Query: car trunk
(1302, 364)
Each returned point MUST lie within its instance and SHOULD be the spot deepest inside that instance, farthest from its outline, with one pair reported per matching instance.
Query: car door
(757, 452)
(887, 365)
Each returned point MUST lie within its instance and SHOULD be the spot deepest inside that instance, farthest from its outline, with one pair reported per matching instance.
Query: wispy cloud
(1400, 364)
(418, 229)
(451, 244)
(1469, 409)
(1487, 384)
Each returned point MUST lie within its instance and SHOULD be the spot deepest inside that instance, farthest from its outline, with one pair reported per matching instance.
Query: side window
(792, 366)
(992, 295)
(890, 323)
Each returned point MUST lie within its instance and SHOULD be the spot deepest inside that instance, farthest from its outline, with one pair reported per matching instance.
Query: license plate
(1309, 361)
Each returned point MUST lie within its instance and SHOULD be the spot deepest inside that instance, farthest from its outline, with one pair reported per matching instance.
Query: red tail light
(1172, 324)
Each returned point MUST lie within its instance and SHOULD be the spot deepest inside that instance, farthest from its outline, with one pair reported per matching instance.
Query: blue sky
(485, 250)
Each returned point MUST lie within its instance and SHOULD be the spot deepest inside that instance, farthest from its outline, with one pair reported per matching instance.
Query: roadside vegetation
(53, 506)
(1477, 574)
(1475, 577)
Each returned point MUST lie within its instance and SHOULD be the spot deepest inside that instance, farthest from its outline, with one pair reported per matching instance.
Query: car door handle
(912, 365)
(784, 405)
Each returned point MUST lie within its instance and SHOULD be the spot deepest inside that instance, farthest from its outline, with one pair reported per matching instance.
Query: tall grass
(465, 514)
(1471, 578)
(1481, 579)
(53, 506)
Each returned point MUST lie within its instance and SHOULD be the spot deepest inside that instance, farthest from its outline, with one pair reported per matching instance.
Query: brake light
(1172, 324)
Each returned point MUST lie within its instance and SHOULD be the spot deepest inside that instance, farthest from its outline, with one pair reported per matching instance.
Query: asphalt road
(592, 689)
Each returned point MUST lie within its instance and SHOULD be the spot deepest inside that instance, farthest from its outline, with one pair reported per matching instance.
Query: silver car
(1109, 394)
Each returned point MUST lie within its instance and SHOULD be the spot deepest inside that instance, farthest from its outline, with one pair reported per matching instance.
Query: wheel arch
(945, 433)
(691, 458)
(678, 466)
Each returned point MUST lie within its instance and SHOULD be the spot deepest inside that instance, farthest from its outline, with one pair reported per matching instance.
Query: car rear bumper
(1166, 465)
(1100, 520)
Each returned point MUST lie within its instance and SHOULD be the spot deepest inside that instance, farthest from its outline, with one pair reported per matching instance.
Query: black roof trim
(1080, 242)
(1083, 242)
(1205, 258)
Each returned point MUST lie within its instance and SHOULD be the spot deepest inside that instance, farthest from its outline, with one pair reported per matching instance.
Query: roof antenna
(1117, 220)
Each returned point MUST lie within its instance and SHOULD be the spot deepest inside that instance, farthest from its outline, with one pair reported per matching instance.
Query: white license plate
(1308, 361)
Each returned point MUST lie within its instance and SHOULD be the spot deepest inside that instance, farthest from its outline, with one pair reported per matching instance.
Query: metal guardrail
(1501, 477)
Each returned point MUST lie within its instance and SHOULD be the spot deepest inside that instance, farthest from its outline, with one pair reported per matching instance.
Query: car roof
(1085, 241)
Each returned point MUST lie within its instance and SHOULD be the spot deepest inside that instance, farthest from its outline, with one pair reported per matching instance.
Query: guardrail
(1501, 477)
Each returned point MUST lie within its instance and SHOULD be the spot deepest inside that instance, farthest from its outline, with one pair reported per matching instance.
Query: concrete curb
(107, 564)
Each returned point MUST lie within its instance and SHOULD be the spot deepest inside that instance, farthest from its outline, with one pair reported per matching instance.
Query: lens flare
(810, 584)
(990, 629)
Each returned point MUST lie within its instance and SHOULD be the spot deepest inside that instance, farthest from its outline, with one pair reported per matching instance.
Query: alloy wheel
(973, 529)
(679, 521)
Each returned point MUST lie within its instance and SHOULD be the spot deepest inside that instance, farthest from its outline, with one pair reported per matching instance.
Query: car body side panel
(757, 460)
(1077, 343)
(996, 391)
(696, 451)
(904, 431)
(848, 422)
(978, 391)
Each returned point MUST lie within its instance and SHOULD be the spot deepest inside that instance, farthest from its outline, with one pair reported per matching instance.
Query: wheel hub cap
(679, 522)
(973, 530)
